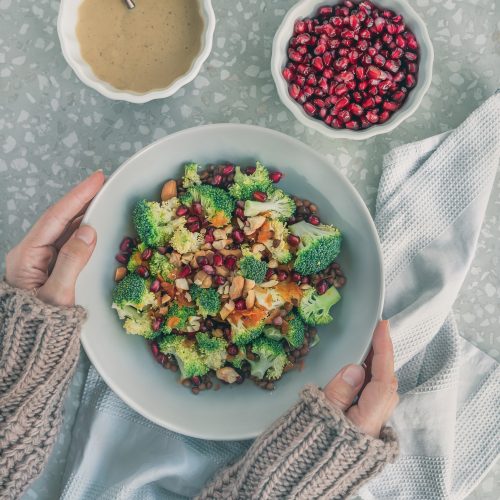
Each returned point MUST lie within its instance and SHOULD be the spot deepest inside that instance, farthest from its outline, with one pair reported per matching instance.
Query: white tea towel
(431, 204)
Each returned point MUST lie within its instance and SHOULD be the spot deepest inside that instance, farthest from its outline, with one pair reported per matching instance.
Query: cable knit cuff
(39, 348)
(313, 451)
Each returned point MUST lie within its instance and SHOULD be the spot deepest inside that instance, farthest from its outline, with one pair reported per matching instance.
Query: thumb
(59, 289)
(342, 389)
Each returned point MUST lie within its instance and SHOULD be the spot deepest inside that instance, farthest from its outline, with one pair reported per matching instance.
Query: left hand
(50, 257)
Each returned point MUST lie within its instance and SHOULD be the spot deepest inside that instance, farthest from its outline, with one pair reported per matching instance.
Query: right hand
(379, 396)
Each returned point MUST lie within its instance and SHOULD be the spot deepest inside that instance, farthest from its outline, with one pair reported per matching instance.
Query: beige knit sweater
(311, 452)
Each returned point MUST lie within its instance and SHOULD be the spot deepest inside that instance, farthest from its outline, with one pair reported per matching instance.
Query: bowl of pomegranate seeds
(352, 69)
(212, 284)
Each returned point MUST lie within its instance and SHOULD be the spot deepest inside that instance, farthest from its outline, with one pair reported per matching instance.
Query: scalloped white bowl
(125, 362)
(307, 8)
(70, 46)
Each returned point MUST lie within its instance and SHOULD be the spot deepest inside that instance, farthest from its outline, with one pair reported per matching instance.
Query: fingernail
(353, 375)
(86, 234)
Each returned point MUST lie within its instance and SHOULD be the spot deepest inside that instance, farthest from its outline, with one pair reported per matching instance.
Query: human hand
(53, 253)
(379, 396)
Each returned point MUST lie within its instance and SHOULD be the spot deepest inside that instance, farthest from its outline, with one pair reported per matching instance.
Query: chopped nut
(226, 252)
(169, 190)
(220, 244)
(240, 223)
(220, 234)
(194, 263)
(200, 253)
(227, 309)
(273, 264)
(163, 310)
(269, 284)
(206, 246)
(305, 286)
(249, 285)
(120, 273)
(186, 258)
(222, 271)
(218, 332)
(175, 259)
(254, 223)
(250, 300)
(199, 277)
(166, 298)
(207, 282)
(227, 374)
(236, 288)
(181, 284)
(258, 248)
(188, 297)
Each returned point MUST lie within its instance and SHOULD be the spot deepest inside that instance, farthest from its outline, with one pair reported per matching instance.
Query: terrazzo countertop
(54, 130)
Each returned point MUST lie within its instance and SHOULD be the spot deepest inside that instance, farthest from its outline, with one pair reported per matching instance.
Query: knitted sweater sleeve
(313, 451)
(39, 348)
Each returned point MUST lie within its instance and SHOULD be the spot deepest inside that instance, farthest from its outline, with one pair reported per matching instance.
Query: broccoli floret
(246, 184)
(213, 350)
(152, 221)
(238, 359)
(251, 267)
(314, 308)
(295, 333)
(184, 241)
(318, 247)
(136, 323)
(135, 259)
(277, 206)
(133, 291)
(207, 300)
(217, 204)
(244, 329)
(191, 177)
(177, 317)
(190, 361)
(281, 252)
(160, 265)
(273, 333)
(272, 359)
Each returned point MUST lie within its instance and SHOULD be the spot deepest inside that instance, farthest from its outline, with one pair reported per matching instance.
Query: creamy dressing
(140, 49)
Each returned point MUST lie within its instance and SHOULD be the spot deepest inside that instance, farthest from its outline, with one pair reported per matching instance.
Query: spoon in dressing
(130, 4)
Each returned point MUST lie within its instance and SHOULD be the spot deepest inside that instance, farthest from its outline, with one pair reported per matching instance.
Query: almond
(236, 287)
(227, 309)
(222, 271)
(249, 285)
(250, 300)
(227, 374)
(273, 264)
(166, 298)
(120, 273)
(234, 252)
(220, 234)
(169, 190)
(258, 248)
(220, 244)
(207, 282)
(181, 284)
(199, 277)
(269, 284)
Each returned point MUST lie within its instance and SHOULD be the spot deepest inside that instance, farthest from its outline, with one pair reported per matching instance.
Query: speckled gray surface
(54, 130)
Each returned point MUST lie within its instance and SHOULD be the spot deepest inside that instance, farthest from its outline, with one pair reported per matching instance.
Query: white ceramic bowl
(307, 8)
(125, 362)
(66, 29)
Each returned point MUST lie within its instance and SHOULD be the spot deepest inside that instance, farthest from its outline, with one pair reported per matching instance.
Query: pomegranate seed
(317, 63)
(232, 349)
(341, 63)
(209, 269)
(122, 259)
(411, 42)
(328, 120)
(143, 272)
(202, 261)
(310, 108)
(353, 125)
(379, 24)
(303, 69)
(325, 11)
(296, 277)
(322, 287)
(314, 220)
(259, 196)
(341, 89)
(217, 179)
(300, 27)
(218, 260)
(410, 56)
(400, 41)
(311, 80)
(328, 73)
(410, 81)
(384, 116)
(327, 58)
(230, 262)
(323, 84)
(377, 99)
(269, 274)
(390, 106)
(287, 74)
(319, 102)
(372, 116)
(192, 219)
(228, 170)
(209, 238)
(379, 60)
(282, 275)
(155, 349)
(293, 240)
(341, 103)
(155, 286)
(219, 280)
(360, 72)
(357, 96)
(392, 29)
(320, 49)
(373, 90)
(239, 304)
(344, 115)
(384, 86)
(240, 213)
(397, 53)
(399, 96)
(356, 109)
(294, 55)
(238, 236)
(126, 245)
(294, 90)
(362, 86)
(185, 271)
(336, 123)
(374, 72)
(397, 19)
(387, 39)
(412, 67)
(303, 38)
(156, 324)
(147, 254)
(353, 21)
(399, 76)
(194, 227)
(181, 211)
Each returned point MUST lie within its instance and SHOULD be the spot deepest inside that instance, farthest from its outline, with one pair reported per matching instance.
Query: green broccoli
(280, 233)
(272, 359)
(160, 265)
(277, 206)
(190, 177)
(251, 267)
(152, 221)
(318, 247)
(178, 317)
(273, 333)
(243, 331)
(246, 184)
(314, 308)
(213, 350)
(217, 204)
(238, 359)
(190, 361)
(135, 259)
(207, 300)
(133, 291)
(136, 323)
(295, 334)
(184, 241)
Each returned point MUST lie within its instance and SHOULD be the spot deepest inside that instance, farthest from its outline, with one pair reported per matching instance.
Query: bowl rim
(277, 63)
(106, 89)
(89, 349)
